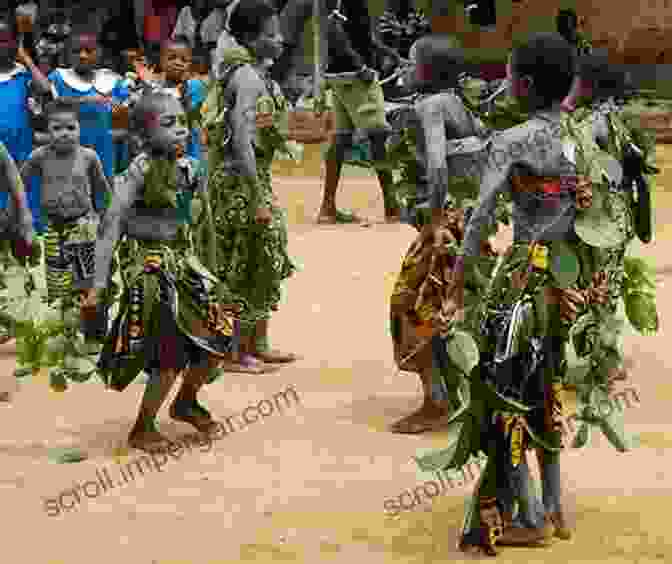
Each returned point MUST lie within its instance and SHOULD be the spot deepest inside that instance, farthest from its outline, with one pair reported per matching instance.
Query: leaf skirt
(170, 317)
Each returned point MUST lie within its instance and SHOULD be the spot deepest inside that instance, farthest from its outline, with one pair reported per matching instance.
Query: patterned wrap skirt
(171, 315)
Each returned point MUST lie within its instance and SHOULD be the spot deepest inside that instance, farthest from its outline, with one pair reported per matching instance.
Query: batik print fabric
(173, 312)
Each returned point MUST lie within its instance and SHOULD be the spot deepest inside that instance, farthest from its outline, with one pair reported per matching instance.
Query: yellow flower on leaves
(539, 257)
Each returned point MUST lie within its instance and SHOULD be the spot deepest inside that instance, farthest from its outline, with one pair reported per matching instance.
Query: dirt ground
(308, 484)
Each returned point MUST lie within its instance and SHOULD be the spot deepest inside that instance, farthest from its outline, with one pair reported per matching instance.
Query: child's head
(255, 24)
(439, 64)
(160, 120)
(84, 51)
(175, 59)
(541, 71)
(63, 124)
(50, 48)
(133, 56)
(8, 43)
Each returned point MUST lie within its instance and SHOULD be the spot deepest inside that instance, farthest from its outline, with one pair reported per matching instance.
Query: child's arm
(110, 231)
(54, 89)
(12, 178)
(100, 186)
(248, 87)
(433, 126)
(40, 82)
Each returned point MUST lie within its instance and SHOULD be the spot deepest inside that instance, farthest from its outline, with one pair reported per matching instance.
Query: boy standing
(72, 176)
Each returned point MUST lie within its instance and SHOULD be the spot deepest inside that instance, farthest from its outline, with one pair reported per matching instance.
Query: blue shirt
(16, 133)
(95, 120)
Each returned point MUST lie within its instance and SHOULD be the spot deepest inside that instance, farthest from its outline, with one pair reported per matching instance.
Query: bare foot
(275, 357)
(194, 415)
(427, 418)
(148, 440)
(247, 365)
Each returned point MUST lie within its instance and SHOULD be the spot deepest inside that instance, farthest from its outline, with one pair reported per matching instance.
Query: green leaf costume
(251, 258)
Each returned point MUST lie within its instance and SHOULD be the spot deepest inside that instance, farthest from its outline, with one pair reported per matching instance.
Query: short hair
(146, 110)
(248, 18)
(76, 34)
(61, 106)
(551, 63)
(178, 41)
(444, 60)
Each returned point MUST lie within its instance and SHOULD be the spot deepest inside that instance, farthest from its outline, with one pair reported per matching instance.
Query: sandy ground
(308, 483)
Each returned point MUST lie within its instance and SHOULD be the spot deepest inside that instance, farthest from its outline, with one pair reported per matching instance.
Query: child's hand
(264, 216)
(264, 121)
(89, 300)
(23, 57)
(103, 100)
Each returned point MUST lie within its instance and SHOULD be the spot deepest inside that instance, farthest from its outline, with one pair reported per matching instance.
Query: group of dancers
(201, 251)
(497, 337)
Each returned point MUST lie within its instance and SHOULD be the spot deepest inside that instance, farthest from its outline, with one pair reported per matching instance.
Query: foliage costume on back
(541, 296)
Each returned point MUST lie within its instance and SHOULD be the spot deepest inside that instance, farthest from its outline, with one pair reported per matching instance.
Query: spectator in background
(202, 25)
(117, 36)
(155, 20)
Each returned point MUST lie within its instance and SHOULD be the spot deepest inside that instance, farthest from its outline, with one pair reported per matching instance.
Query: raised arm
(122, 200)
(12, 179)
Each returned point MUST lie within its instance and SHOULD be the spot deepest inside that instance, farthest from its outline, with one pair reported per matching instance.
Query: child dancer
(417, 301)
(72, 182)
(94, 90)
(544, 210)
(251, 228)
(169, 321)
(17, 82)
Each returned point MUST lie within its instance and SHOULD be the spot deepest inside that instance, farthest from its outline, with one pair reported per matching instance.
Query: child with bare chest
(72, 176)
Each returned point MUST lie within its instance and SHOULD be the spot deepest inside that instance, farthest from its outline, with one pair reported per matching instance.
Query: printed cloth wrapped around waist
(420, 300)
(71, 246)
(155, 224)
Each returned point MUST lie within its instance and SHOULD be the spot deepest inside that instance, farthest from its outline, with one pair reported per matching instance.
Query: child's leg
(144, 434)
(58, 271)
(334, 164)
(379, 155)
(186, 407)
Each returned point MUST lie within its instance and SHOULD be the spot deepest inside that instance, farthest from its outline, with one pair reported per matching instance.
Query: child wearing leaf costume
(250, 228)
(171, 318)
(419, 303)
(514, 400)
